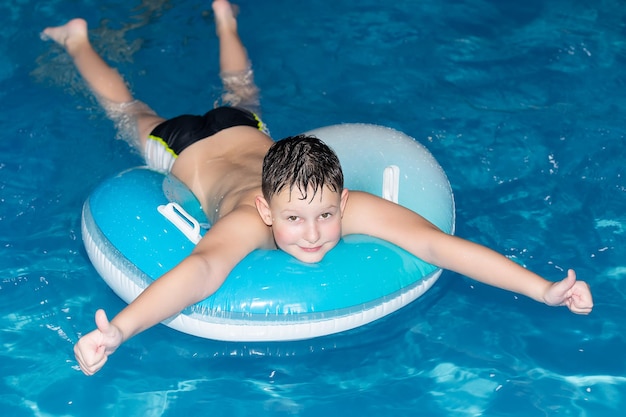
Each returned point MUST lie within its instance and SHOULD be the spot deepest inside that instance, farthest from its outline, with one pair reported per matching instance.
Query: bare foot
(68, 35)
(225, 15)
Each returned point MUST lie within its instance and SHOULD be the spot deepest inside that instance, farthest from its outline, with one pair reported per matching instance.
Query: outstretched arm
(195, 278)
(371, 215)
(490, 267)
(180, 287)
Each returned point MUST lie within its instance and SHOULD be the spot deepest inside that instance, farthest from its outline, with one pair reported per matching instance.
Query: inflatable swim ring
(140, 224)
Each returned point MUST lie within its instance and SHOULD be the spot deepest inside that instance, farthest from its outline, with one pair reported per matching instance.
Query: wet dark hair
(301, 162)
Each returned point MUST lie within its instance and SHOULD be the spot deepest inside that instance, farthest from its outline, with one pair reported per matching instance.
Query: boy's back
(224, 171)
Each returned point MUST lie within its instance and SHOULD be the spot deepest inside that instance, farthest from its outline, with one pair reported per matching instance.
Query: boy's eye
(292, 218)
(325, 215)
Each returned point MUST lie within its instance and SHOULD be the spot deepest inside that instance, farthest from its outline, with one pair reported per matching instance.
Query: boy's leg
(235, 67)
(106, 83)
(233, 55)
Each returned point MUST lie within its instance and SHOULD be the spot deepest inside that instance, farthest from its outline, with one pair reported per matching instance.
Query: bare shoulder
(369, 214)
(236, 234)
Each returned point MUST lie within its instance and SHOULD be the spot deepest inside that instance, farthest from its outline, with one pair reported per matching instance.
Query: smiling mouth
(315, 249)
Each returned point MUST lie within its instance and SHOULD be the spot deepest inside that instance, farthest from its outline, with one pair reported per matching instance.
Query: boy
(261, 194)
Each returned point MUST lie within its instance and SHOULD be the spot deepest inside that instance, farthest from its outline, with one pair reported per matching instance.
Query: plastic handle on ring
(391, 183)
(182, 220)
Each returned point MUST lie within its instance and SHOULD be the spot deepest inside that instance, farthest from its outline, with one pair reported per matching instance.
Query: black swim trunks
(171, 137)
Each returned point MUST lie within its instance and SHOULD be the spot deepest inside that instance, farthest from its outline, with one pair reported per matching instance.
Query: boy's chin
(310, 261)
(309, 258)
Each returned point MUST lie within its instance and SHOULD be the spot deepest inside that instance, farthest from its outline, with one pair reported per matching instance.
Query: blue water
(522, 104)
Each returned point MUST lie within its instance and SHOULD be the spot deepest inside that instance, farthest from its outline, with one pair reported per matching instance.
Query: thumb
(568, 282)
(102, 322)
(111, 337)
(570, 279)
(560, 290)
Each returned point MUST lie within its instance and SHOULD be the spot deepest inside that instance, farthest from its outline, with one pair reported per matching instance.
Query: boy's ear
(263, 207)
(344, 199)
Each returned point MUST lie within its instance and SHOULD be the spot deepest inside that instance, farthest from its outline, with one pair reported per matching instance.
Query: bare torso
(224, 173)
(224, 170)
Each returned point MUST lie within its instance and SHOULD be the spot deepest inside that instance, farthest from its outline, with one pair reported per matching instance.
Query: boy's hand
(571, 293)
(93, 349)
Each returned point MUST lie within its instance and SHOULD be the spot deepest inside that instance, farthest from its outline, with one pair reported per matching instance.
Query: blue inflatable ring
(140, 224)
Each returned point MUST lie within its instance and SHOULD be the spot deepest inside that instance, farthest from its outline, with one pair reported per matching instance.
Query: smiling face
(306, 228)
(303, 196)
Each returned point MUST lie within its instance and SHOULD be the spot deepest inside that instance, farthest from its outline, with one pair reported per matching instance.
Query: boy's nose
(312, 233)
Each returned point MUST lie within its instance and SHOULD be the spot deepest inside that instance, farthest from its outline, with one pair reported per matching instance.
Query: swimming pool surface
(523, 105)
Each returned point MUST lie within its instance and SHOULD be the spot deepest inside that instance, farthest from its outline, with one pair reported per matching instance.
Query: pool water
(521, 103)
